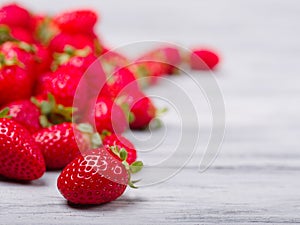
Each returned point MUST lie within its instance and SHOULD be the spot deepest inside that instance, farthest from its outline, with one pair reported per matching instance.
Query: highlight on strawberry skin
(203, 59)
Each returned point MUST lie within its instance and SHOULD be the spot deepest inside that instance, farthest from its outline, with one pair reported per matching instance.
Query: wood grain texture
(255, 178)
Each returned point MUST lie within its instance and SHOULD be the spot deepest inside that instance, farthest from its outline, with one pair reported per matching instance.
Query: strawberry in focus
(96, 177)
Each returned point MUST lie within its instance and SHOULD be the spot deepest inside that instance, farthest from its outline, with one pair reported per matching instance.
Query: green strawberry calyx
(4, 113)
(133, 168)
(53, 113)
(69, 52)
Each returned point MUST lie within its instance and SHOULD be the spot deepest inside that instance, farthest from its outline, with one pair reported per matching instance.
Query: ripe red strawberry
(78, 41)
(143, 111)
(15, 82)
(14, 15)
(20, 53)
(43, 28)
(117, 142)
(62, 84)
(42, 60)
(203, 59)
(107, 115)
(15, 33)
(77, 58)
(121, 82)
(20, 157)
(112, 60)
(77, 21)
(60, 144)
(96, 177)
(25, 113)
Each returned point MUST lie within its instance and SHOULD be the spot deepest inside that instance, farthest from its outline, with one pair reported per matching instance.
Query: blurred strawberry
(25, 113)
(121, 82)
(15, 82)
(77, 21)
(143, 111)
(43, 28)
(203, 59)
(42, 60)
(21, 53)
(62, 84)
(78, 41)
(107, 116)
(60, 144)
(14, 15)
(77, 58)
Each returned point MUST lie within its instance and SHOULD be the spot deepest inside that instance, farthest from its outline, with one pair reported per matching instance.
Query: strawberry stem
(4, 113)
(53, 113)
(135, 167)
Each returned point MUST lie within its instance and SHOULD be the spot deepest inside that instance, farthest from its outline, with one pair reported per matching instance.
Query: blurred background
(256, 173)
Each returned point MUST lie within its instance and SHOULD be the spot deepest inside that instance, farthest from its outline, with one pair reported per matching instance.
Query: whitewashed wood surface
(255, 178)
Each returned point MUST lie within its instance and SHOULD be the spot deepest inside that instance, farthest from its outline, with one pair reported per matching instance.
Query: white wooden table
(255, 178)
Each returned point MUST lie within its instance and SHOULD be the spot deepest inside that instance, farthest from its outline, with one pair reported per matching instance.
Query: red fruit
(25, 113)
(95, 177)
(20, 53)
(107, 115)
(14, 16)
(112, 60)
(15, 83)
(21, 34)
(43, 28)
(60, 144)
(77, 41)
(156, 63)
(119, 141)
(77, 21)
(202, 59)
(122, 81)
(143, 111)
(42, 60)
(62, 84)
(80, 59)
(20, 157)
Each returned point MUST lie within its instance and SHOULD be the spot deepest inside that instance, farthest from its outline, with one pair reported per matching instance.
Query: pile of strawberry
(42, 60)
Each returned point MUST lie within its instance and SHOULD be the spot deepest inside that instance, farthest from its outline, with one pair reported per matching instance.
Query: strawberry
(14, 15)
(15, 82)
(43, 28)
(77, 58)
(203, 59)
(42, 60)
(108, 116)
(20, 157)
(60, 144)
(111, 60)
(62, 84)
(20, 52)
(25, 113)
(15, 33)
(77, 21)
(143, 111)
(78, 41)
(158, 62)
(120, 82)
(117, 142)
(96, 177)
